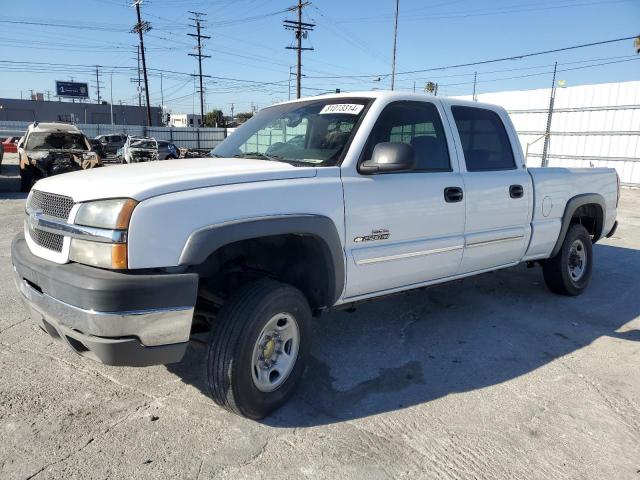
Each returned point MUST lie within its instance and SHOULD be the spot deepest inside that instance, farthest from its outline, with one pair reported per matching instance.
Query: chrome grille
(51, 204)
(51, 241)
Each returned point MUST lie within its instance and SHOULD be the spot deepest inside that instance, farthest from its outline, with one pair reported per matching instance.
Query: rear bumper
(112, 317)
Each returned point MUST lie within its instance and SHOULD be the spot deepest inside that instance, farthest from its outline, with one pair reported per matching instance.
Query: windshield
(56, 140)
(148, 144)
(315, 132)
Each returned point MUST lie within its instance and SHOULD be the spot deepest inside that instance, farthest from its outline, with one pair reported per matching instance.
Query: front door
(406, 228)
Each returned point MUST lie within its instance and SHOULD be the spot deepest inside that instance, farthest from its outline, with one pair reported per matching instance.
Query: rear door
(497, 187)
(405, 228)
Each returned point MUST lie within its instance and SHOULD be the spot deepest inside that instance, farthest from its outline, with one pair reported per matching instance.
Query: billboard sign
(72, 89)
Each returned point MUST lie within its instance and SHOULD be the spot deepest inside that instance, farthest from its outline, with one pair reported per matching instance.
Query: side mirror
(389, 157)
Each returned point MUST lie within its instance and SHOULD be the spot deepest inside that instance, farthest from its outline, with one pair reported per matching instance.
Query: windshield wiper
(259, 156)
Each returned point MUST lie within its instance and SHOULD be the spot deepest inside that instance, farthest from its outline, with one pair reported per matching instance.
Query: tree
(215, 118)
(243, 117)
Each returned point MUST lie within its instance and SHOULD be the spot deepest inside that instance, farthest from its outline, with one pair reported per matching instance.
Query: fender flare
(572, 205)
(205, 241)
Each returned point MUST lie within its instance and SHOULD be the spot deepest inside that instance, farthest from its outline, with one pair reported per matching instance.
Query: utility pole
(395, 43)
(475, 79)
(161, 101)
(111, 94)
(232, 110)
(161, 92)
(301, 30)
(140, 28)
(290, 73)
(547, 132)
(197, 19)
(139, 80)
(98, 82)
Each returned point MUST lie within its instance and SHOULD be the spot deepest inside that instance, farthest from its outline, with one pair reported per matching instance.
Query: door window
(484, 139)
(419, 125)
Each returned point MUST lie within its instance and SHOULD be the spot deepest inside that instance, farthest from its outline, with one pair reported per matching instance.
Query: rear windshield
(56, 140)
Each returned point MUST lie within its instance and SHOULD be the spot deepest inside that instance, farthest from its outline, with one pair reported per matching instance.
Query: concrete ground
(9, 173)
(492, 377)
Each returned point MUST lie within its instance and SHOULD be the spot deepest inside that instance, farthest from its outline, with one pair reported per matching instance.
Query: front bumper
(112, 317)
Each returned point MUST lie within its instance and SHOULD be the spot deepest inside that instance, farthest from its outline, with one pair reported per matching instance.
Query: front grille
(51, 204)
(50, 241)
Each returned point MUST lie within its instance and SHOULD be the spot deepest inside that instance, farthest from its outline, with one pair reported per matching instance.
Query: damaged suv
(52, 148)
(139, 149)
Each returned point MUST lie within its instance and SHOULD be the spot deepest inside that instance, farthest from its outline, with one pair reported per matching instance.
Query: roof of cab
(391, 95)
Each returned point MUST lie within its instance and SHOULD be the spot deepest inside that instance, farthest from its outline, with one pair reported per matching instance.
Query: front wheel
(258, 348)
(569, 271)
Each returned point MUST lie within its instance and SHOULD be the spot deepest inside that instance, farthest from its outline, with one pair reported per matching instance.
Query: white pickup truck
(312, 204)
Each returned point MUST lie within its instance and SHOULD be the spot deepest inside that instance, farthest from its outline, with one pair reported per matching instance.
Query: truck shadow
(474, 333)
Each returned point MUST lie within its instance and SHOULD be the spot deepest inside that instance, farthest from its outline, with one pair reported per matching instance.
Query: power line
(484, 62)
(197, 18)
(61, 25)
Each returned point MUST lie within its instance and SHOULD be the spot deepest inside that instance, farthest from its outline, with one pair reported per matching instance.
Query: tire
(242, 336)
(569, 272)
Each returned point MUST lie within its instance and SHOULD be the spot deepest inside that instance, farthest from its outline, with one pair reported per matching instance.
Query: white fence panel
(592, 125)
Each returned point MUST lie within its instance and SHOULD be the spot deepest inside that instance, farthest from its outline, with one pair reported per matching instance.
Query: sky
(43, 41)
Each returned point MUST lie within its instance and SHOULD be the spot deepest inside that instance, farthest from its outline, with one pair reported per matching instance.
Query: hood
(144, 180)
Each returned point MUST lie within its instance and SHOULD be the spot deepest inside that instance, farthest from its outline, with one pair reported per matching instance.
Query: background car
(49, 149)
(139, 149)
(111, 143)
(11, 144)
(167, 150)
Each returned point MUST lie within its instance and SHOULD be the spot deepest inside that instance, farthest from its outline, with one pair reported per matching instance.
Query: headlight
(113, 214)
(104, 214)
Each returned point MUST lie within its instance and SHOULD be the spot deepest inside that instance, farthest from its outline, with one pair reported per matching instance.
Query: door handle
(516, 191)
(453, 194)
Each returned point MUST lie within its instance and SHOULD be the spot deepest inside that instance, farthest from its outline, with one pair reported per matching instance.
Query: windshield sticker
(348, 108)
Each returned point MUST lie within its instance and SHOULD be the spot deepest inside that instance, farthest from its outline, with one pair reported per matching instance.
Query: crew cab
(311, 205)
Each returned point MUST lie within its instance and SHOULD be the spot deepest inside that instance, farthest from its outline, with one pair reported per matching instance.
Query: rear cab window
(484, 139)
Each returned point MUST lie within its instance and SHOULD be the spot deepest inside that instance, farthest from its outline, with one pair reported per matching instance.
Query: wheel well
(589, 216)
(300, 260)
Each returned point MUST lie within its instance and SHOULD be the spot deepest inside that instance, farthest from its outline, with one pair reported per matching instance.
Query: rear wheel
(258, 348)
(569, 272)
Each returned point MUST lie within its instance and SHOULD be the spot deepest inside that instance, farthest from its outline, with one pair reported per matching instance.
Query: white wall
(592, 125)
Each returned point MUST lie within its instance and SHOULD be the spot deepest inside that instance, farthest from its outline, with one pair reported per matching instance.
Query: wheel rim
(275, 352)
(577, 263)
